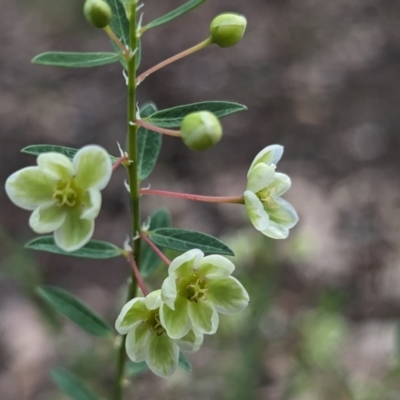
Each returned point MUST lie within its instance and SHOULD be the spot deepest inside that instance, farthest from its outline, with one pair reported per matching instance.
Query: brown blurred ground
(321, 78)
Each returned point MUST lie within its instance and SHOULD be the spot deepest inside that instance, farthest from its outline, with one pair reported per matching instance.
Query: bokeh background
(321, 78)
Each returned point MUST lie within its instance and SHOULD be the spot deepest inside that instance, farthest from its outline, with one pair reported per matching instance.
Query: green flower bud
(227, 29)
(97, 12)
(201, 130)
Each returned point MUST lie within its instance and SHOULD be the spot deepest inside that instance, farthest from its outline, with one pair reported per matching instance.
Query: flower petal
(259, 177)
(91, 204)
(93, 167)
(282, 217)
(74, 233)
(215, 266)
(137, 342)
(280, 185)
(269, 155)
(204, 317)
(56, 166)
(153, 300)
(227, 295)
(163, 355)
(255, 210)
(191, 342)
(183, 265)
(29, 187)
(132, 314)
(47, 218)
(176, 322)
(168, 291)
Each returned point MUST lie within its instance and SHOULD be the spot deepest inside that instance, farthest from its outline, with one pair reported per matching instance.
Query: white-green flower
(269, 213)
(64, 195)
(147, 339)
(196, 290)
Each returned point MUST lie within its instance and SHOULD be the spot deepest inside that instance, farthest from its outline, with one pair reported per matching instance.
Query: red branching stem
(195, 197)
(156, 250)
(172, 59)
(158, 129)
(119, 162)
(139, 278)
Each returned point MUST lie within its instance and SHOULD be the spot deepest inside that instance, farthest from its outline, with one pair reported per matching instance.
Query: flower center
(265, 195)
(154, 322)
(65, 193)
(194, 288)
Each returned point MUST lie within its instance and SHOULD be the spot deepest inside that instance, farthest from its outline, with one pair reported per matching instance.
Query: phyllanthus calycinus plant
(63, 193)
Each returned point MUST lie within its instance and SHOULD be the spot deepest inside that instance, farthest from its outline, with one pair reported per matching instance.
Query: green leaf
(133, 368)
(71, 385)
(149, 144)
(36, 149)
(149, 260)
(95, 249)
(69, 306)
(184, 240)
(119, 23)
(75, 60)
(184, 362)
(172, 117)
(183, 9)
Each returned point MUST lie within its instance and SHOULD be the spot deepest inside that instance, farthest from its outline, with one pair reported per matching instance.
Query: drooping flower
(268, 212)
(147, 339)
(196, 290)
(64, 195)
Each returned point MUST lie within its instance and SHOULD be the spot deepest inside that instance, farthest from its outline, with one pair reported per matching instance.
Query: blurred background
(321, 78)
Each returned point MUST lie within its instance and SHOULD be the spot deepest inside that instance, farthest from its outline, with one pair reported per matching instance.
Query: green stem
(134, 187)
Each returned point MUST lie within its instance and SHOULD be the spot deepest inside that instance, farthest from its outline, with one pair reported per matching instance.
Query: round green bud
(227, 29)
(97, 12)
(201, 130)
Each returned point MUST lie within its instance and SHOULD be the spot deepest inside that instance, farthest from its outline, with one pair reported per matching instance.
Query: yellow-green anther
(227, 29)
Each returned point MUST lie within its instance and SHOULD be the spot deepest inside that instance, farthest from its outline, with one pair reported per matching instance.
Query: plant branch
(195, 197)
(154, 128)
(156, 250)
(116, 40)
(119, 162)
(136, 272)
(133, 185)
(174, 58)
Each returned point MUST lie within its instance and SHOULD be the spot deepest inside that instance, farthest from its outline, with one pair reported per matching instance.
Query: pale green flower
(196, 290)
(269, 213)
(147, 339)
(64, 195)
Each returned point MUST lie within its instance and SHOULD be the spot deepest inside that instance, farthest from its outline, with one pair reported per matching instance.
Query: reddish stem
(119, 162)
(155, 248)
(158, 129)
(195, 197)
(139, 278)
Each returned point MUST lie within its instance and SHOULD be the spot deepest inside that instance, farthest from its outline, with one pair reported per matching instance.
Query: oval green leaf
(69, 306)
(36, 149)
(149, 260)
(75, 60)
(149, 144)
(183, 9)
(172, 117)
(119, 22)
(133, 369)
(95, 249)
(71, 385)
(184, 240)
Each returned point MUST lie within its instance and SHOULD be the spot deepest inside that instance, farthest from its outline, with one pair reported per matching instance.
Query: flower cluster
(177, 316)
